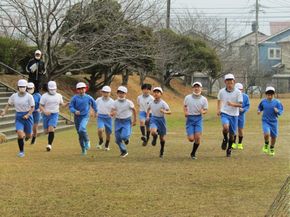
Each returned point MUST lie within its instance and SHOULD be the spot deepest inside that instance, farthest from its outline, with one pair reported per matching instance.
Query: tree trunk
(125, 77)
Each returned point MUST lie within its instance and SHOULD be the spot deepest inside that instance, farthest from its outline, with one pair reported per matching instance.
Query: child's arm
(260, 108)
(185, 110)
(218, 107)
(29, 113)
(165, 111)
(4, 111)
(42, 109)
(279, 108)
(134, 117)
(234, 104)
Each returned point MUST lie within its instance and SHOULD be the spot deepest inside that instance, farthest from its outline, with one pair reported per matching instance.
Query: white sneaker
(48, 147)
(99, 147)
(107, 149)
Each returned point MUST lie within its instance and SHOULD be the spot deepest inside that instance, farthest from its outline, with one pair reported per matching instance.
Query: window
(274, 53)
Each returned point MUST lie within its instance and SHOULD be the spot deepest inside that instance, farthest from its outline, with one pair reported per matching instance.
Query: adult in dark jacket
(36, 70)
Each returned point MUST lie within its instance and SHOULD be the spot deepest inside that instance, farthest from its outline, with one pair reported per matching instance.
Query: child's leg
(162, 145)
(119, 141)
(197, 138)
(108, 138)
(100, 135)
(154, 134)
(147, 130)
(241, 135)
(20, 140)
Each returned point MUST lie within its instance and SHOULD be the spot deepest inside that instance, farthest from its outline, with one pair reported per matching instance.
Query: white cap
(22, 83)
(106, 89)
(270, 89)
(51, 85)
(196, 83)
(30, 85)
(122, 89)
(239, 86)
(81, 85)
(229, 77)
(158, 88)
(37, 52)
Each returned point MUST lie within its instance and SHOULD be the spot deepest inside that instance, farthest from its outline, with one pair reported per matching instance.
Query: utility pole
(226, 32)
(256, 38)
(168, 14)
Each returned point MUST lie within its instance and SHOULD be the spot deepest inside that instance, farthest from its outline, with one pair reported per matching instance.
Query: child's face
(230, 84)
(121, 94)
(269, 96)
(105, 94)
(157, 94)
(146, 91)
(81, 91)
(196, 89)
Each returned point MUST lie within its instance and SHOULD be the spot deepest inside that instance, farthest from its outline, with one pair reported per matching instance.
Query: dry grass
(64, 183)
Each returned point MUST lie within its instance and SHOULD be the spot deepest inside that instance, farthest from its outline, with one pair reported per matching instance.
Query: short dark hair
(271, 92)
(146, 86)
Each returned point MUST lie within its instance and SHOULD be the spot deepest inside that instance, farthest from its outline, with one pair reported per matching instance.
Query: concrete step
(8, 131)
(7, 124)
(41, 132)
(7, 117)
(4, 99)
(6, 94)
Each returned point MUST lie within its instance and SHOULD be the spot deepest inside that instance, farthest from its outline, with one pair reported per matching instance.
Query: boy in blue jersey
(271, 108)
(122, 110)
(158, 108)
(242, 118)
(80, 105)
(36, 113)
(230, 100)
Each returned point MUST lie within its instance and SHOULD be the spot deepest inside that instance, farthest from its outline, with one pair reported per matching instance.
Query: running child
(272, 108)
(242, 118)
(80, 105)
(122, 111)
(158, 108)
(104, 107)
(143, 102)
(230, 100)
(195, 105)
(49, 106)
(24, 106)
(36, 112)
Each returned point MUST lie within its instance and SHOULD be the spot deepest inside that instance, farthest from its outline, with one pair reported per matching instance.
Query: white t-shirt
(123, 108)
(51, 102)
(195, 104)
(155, 107)
(144, 101)
(21, 103)
(234, 96)
(104, 106)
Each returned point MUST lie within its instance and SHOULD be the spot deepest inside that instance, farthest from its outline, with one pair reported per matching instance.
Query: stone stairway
(7, 123)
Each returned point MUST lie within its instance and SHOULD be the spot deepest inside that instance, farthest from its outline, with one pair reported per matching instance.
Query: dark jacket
(35, 69)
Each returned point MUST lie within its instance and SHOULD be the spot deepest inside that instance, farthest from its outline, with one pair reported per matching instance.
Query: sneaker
(271, 152)
(124, 154)
(143, 138)
(126, 141)
(21, 154)
(107, 149)
(26, 139)
(240, 146)
(33, 143)
(99, 147)
(229, 152)
(234, 146)
(224, 144)
(48, 148)
(88, 145)
(193, 157)
(265, 149)
(84, 151)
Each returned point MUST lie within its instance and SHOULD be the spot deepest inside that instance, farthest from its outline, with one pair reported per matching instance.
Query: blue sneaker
(84, 151)
(21, 154)
(88, 145)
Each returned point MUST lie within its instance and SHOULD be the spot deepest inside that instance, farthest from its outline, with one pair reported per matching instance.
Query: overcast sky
(240, 13)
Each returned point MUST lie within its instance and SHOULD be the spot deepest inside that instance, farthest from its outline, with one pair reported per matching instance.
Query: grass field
(64, 183)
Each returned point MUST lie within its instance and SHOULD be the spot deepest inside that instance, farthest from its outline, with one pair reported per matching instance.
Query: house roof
(287, 39)
(278, 26)
(272, 36)
(244, 36)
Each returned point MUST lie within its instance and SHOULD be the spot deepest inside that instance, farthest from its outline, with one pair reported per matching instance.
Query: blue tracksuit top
(82, 104)
(36, 97)
(267, 107)
(246, 104)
